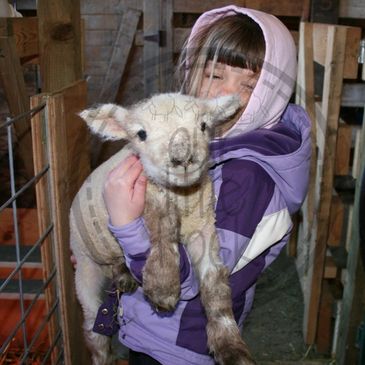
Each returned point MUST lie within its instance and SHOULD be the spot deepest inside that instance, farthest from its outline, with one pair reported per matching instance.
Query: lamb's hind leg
(224, 339)
(89, 285)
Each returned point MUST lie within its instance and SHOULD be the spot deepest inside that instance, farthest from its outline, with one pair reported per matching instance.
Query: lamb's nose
(182, 161)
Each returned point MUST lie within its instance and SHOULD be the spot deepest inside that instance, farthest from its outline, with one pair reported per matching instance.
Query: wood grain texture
(67, 145)
(59, 43)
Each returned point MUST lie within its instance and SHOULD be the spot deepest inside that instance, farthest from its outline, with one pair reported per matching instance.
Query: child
(259, 167)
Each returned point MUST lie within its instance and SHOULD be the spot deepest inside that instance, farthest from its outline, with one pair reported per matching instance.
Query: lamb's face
(170, 132)
(171, 136)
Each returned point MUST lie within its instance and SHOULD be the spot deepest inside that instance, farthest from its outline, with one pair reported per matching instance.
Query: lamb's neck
(183, 199)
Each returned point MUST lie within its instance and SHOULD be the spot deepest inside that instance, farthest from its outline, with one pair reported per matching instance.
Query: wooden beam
(122, 46)
(354, 288)
(279, 7)
(334, 65)
(25, 32)
(151, 51)
(44, 218)
(336, 222)
(343, 149)
(12, 80)
(180, 35)
(59, 43)
(67, 145)
(324, 335)
(305, 98)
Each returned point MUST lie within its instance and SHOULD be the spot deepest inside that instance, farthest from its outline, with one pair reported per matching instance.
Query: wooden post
(327, 122)
(59, 43)
(121, 49)
(67, 148)
(354, 288)
(44, 214)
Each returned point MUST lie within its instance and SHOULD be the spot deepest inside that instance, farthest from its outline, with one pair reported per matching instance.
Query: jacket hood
(276, 82)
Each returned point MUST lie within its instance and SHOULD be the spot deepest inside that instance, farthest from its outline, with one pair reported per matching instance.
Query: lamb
(170, 133)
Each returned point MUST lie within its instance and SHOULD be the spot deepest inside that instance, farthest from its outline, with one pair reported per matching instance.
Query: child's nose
(229, 87)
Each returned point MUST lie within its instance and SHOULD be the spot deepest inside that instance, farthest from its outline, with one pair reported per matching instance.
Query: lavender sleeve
(135, 242)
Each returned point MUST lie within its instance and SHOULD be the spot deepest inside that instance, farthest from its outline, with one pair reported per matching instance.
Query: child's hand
(124, 192)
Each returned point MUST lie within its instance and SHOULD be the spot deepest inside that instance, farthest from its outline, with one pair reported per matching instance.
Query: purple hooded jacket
(260, 175)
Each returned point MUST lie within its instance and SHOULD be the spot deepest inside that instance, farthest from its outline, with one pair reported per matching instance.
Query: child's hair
(235, 40)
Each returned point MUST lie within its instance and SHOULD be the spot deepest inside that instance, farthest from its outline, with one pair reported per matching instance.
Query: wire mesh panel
(40, 314)
(30, 331)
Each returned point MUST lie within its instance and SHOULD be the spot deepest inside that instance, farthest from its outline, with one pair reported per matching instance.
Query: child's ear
(223, 107)
(107, 121)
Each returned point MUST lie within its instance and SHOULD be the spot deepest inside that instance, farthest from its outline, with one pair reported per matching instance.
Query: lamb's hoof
(232, 355)
(162, 299)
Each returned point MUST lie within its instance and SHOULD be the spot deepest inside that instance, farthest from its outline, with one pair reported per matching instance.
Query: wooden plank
(279, 7)
(180, 35)
(305, 98)
(12, 80)
(324, 335)
(65, 154)
(92, 7)
(101, 38)
(336, 222)
(25, 32)
(167, 48)
(330, 268)
(334, 65)
(27, 226)
(100, 53)
(102, 21)
(352, 9)
(151, 51)
(122, 46)
(59, 43)
(44, 215)
(343, 149)
(353, 37)
(354, 288)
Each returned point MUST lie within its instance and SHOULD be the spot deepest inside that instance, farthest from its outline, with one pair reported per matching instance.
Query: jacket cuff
(132, 237)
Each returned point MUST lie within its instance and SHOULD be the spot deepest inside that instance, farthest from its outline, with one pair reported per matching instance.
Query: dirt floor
(273, 330)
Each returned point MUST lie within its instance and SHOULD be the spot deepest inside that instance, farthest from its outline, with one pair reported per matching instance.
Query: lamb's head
(170, 132)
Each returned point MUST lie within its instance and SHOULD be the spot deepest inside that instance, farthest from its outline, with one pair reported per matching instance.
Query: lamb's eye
(142, 135)
(203, 126)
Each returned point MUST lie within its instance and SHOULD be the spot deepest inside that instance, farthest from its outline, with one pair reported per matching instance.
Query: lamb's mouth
(191, 173)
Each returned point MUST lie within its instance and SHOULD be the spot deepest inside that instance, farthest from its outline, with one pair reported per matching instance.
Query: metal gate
(30, 308)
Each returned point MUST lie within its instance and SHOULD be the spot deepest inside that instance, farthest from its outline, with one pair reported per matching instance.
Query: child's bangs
(235, 58)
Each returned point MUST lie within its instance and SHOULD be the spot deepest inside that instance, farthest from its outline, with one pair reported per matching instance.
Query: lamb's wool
(170, 133)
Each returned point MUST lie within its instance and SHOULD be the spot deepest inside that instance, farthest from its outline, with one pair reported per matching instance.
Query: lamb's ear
(222, 107)
(107, 121)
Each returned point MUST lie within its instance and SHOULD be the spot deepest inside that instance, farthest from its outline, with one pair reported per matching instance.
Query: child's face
(228, 80)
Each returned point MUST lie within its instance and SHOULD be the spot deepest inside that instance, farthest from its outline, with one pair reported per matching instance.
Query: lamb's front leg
(224, 339)
(161, 273)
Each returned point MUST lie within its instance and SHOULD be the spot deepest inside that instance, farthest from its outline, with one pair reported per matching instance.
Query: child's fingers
(132, 174)
(123, 166)
(140, 189)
